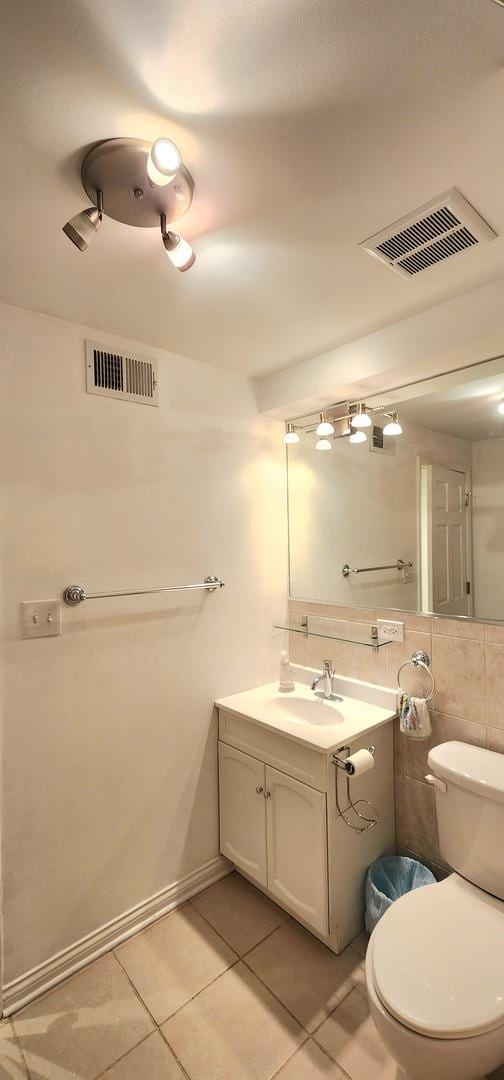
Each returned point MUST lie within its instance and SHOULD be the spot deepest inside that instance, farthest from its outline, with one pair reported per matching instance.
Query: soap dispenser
(286, 683)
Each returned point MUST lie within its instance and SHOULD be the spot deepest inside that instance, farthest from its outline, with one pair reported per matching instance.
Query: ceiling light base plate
(118, 168)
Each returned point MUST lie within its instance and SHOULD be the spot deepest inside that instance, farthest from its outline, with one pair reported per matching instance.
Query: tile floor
(227, 987)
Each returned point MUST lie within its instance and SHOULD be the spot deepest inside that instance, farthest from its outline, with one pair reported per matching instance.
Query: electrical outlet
(41, 618)
(389, 630)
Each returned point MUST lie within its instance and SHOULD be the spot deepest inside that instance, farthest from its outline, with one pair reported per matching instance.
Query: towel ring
(418, 659)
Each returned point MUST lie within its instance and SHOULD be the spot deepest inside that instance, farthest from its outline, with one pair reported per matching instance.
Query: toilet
(435, 961)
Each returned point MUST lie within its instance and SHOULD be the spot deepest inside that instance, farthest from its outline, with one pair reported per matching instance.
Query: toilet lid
(438, 960)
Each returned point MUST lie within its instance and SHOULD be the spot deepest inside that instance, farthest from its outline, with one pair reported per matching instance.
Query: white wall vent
(121, 375)
(429, 235)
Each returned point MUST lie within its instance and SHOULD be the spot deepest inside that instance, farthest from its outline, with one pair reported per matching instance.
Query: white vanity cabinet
(274, 828)
(280, 827)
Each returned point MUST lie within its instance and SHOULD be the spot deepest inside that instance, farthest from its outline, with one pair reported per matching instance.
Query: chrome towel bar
(400, 564)
(76, 594)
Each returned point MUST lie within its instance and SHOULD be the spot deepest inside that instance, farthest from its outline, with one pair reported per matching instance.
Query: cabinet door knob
(267, 794)
(259, 790)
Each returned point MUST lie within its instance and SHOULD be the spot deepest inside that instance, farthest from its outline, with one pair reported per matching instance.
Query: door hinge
(468, 588)
(467, 498)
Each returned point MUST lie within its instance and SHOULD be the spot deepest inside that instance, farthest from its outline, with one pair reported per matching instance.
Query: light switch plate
(390, 630)
(41, 618)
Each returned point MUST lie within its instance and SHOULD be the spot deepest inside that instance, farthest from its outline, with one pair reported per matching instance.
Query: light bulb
(500, 407)
(360, 418)
(290, 436)
(392, 427)
(325, 427)
(179, 251)
(323, 444)
(164, 162)
(358, 436)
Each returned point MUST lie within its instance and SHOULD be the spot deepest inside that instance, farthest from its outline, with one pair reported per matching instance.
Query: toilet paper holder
(346, 766)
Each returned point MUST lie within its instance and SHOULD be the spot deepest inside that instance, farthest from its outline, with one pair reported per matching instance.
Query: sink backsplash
(467, 660)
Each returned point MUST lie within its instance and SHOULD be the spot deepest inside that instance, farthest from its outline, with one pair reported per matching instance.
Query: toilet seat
(438, 960)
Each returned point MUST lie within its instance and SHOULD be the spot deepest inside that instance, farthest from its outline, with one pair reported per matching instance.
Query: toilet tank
(469, 786)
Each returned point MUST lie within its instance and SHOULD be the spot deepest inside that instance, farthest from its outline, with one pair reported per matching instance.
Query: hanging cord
(340, 763)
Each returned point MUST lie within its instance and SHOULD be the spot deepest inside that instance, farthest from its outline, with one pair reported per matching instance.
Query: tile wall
(468, 705)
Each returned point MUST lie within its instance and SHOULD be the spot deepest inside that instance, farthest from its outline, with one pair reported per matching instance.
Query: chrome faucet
(327, 676)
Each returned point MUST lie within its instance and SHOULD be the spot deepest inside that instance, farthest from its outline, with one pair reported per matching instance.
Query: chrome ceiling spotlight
(82, 228)
(178, 250)
(139, 183)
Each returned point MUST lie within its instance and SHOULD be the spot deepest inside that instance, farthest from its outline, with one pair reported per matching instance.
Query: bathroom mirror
(402, 505)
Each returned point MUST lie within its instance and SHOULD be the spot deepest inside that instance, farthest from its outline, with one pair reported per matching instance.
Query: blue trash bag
(389, 878)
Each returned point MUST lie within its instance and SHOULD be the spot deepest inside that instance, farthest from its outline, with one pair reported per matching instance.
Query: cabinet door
(242, 811)
(297, 847)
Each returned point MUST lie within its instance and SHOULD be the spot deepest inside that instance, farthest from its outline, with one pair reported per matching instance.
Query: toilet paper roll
(359, 763)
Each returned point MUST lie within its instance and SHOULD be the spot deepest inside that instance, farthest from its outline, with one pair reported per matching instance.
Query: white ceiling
(307, 126)
(467, 410)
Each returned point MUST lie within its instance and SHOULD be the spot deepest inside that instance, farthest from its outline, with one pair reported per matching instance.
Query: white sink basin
(316, 710)
(313, 720)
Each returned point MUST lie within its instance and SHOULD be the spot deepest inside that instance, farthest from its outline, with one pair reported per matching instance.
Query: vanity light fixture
(291, 435)
(323, 444)
(500, 407)
(393, 427)
(324, 427)
(360, 418)
(138, 183)
(358, 436)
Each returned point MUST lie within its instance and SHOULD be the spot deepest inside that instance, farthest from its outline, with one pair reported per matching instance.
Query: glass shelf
(335, 629)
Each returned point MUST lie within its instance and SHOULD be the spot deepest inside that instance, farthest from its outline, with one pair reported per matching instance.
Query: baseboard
(33, 983)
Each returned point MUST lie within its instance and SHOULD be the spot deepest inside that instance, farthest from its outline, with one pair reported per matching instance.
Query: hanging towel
(414, 719)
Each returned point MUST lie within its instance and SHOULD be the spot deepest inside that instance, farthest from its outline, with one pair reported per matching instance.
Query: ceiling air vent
(121, 375)
(429, 235)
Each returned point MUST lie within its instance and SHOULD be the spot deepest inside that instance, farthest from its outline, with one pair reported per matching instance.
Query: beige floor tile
(233, 1030)
(308, 978)
(173, 960)
(83, 1026)
(351, 1039)
(239, 912)
(11, 1061)
(152, 1060)
(310, 1063)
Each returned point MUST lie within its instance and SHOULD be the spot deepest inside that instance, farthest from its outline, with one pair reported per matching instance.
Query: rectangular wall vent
(380, 443)
(429, 235)
(121, 375)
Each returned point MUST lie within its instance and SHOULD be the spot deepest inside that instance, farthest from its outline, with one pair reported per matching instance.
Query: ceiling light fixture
(131, 179)
(323, 444)
(393, 427)
(358, 436)
(178, 250)
(500, 407)
(324, 427)
(163, 162)
(360, 418)
(82, 228)
(291, 436)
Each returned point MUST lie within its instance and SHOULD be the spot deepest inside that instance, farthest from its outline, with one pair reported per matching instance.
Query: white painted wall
(453, 334)
(109, 758)
(488, 528)
(350, 505)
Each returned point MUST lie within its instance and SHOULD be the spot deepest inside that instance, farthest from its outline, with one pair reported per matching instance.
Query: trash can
(389, 878)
